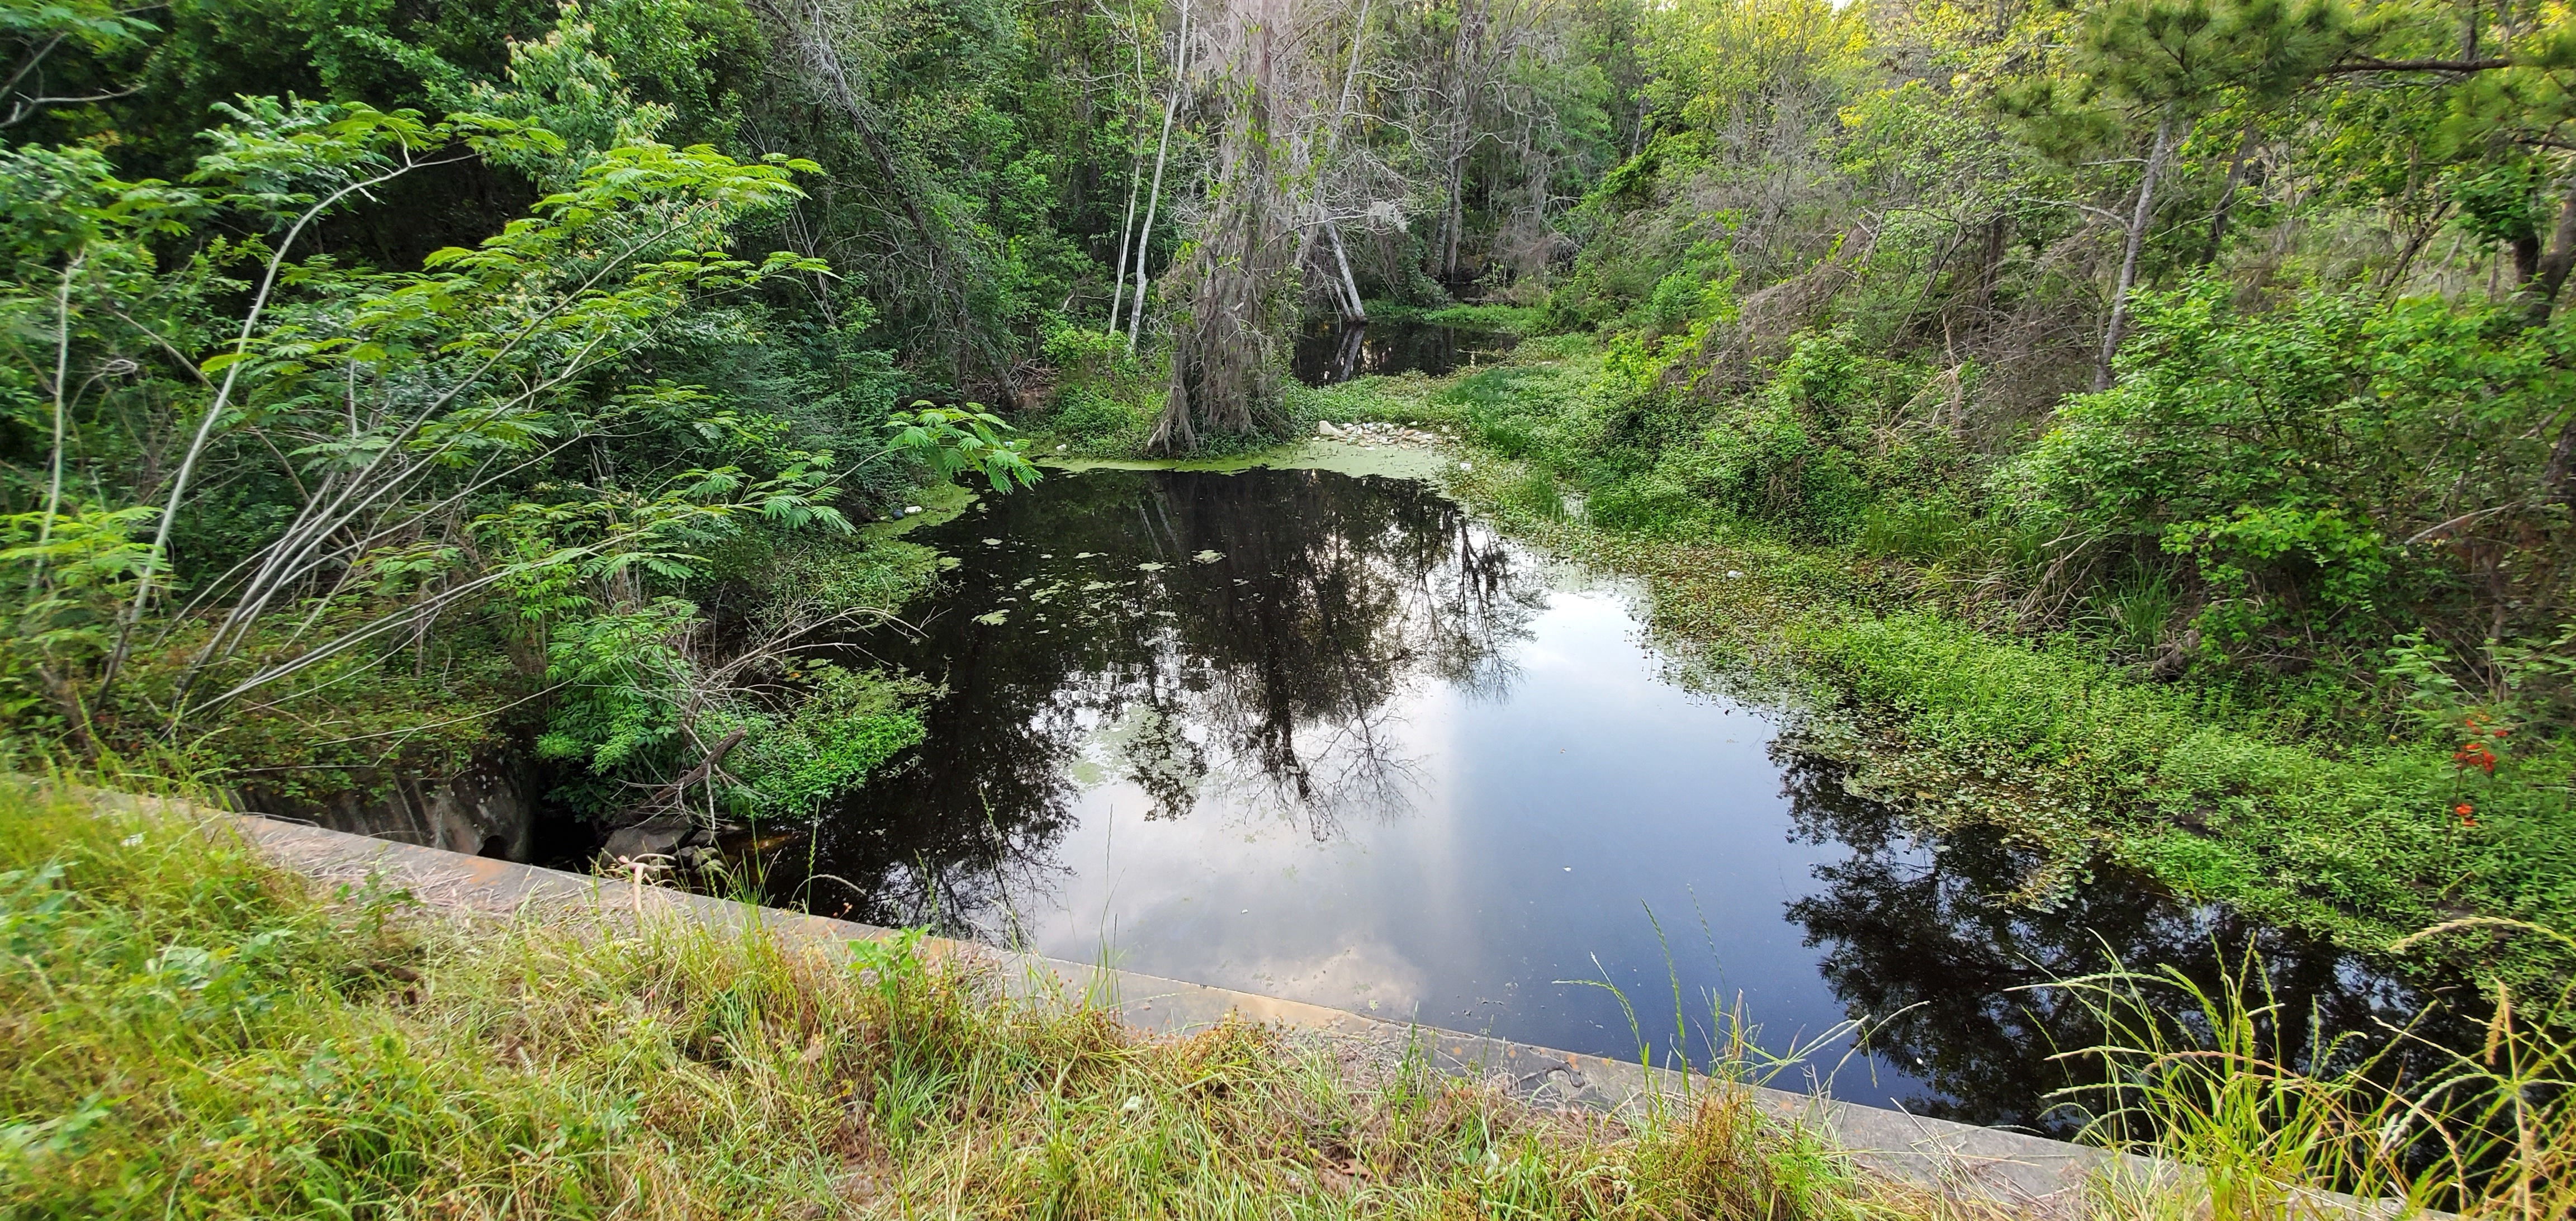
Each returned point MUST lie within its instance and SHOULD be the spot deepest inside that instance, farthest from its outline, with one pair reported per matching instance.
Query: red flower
(2475, 754)
(2464, 809)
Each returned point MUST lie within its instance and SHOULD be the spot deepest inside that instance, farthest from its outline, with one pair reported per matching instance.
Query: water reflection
(1328, 352)
(1920, 936)
(1329, 739)
(1205, 638)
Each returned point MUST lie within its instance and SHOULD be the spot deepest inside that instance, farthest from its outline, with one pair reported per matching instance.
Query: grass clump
(189, 1032)
(2224, 1079)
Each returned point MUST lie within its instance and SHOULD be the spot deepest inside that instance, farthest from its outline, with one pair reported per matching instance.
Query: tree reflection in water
(1921, 935)
(1244, 649)
(1238, 639)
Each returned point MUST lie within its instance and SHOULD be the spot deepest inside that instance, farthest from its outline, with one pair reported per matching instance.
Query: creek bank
(1999, 1167)
(1335, 740)
(1958, 724)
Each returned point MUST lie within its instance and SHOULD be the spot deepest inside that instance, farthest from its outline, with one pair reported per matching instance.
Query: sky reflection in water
(1329, 739)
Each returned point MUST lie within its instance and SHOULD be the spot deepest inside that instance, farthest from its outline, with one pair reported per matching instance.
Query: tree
(2169, 62)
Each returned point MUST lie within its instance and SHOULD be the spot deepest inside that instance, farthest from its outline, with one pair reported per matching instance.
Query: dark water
(1328, 352)
(1328, 738)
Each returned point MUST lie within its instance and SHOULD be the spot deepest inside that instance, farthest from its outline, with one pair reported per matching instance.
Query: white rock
(1731, 574)
(1466, 466)
(909, 510)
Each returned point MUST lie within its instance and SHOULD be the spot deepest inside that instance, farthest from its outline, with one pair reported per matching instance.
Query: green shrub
(2327, 474)
(1087, 415)
(1911, 529)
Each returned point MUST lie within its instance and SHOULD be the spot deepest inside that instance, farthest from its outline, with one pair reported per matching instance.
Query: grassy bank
(2363, 813)
(190, 1033)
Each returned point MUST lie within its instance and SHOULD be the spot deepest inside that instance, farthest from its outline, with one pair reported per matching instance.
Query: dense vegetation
(2171, 395)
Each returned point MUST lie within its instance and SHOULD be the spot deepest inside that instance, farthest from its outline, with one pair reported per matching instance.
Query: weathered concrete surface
(2049, 1176)
(482, 810)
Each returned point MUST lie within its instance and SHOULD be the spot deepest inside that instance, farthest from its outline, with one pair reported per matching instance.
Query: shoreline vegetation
(1942, 709)
(207, 1036)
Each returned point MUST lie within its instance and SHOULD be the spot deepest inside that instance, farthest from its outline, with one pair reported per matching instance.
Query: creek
(1328, 352)
(1329, 738)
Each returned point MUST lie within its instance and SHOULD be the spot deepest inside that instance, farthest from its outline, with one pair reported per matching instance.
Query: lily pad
(995, 619)
(1149, 566)
(1208, 557)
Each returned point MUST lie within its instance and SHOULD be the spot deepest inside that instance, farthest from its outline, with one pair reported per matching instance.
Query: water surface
(1328, 738)
(1329, 352)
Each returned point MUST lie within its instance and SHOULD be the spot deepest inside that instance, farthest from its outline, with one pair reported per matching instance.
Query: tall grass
(185, 1032)
(2264, 1112)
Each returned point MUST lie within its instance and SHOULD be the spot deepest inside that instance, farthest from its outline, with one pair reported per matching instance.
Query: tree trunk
(1452, 219)
(2138, 219)
(1991, 267)
(1353, 313)
(1135, 182)
(2227, 195)
(1162, 153)
(2548, 272)
(1126, 234)
(1347, 293)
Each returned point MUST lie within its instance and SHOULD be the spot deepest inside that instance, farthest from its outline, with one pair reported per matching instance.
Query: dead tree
(1237, 284)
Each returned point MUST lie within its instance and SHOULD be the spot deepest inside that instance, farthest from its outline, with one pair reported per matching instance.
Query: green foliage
(2187, 52)
(619, 690)
(2370, 843)
(2320, 472)
(843, 574)
(1100, 423)
(1507, 319)
(2502, 204)
(2224, 1080)
(1105, 398)
(635, 699)
(845, 726)
(82, 563)
(952, 442)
